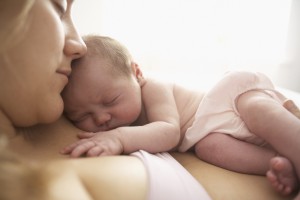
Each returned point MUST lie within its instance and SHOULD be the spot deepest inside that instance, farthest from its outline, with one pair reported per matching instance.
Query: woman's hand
(95, 144)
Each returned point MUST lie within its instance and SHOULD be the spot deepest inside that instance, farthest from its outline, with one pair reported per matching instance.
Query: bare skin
(115, 113)
(281, 174)
(214, 148)
(292, 107)
(281, 168)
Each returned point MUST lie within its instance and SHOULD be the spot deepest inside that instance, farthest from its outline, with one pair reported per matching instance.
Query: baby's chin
(97, 129)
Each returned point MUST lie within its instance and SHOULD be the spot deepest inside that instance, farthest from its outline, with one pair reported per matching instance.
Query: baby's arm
(162, 133)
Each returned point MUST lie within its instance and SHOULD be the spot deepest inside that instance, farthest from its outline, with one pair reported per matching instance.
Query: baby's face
(97, 101)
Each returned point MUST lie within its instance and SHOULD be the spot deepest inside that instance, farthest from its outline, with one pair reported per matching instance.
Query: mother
(38, 43)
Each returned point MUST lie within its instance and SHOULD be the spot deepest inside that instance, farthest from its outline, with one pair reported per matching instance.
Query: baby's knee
(255, 102)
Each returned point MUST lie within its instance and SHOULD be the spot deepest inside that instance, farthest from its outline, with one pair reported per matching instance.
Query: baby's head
(103, 90)
(117, 57)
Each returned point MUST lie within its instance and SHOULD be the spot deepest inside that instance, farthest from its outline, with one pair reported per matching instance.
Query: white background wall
(195, 41)
(289, 71)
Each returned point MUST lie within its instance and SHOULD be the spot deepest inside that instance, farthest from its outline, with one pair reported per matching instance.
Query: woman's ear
(138, 73)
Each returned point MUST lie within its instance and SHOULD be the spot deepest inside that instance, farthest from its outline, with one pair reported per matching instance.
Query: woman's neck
(7, 128)
(44, 141)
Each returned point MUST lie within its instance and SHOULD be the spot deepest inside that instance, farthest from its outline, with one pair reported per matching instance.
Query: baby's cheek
(132, 116)
(86, 125)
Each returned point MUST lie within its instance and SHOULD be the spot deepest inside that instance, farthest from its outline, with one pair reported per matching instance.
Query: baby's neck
(142, 119)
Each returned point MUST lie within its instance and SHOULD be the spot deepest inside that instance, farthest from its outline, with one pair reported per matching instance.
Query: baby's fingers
(82, 148)
(83, 135)
(68, 149)
(94, 151)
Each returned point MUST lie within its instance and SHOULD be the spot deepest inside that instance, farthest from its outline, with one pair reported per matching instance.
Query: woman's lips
(65, 72)
(64, 76)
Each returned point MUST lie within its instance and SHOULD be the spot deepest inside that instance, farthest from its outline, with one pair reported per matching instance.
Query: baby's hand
(95, 144)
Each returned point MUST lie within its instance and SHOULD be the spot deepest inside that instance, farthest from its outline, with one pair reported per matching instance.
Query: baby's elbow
(174, 136)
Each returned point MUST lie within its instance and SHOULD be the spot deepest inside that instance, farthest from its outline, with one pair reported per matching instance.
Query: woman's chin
(51, 114)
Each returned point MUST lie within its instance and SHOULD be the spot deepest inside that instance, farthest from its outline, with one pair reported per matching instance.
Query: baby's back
(187, 102)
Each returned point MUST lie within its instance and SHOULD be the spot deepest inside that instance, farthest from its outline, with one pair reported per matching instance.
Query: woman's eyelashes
(61, 7)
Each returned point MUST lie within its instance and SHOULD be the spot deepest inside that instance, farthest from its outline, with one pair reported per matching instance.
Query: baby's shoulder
(157, 83)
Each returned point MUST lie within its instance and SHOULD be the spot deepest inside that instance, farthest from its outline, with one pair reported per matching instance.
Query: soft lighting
(203, 36)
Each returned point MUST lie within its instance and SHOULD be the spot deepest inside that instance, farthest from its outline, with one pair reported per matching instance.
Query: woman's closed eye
(61, 7)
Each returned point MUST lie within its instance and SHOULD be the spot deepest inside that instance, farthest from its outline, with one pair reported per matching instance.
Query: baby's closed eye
(112, 101)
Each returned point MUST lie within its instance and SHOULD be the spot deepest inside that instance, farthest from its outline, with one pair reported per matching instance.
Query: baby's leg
(230, 153)
(281, 174)
(271, 121)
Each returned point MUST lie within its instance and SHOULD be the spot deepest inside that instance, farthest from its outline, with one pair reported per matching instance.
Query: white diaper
(217, 111)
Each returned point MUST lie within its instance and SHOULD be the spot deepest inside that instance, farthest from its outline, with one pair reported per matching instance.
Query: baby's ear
(136, 70)
(138, 73)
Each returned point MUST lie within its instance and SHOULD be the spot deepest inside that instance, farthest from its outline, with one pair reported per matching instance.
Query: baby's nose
(101, 119)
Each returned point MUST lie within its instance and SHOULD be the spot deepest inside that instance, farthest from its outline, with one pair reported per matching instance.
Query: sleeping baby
(241, 124)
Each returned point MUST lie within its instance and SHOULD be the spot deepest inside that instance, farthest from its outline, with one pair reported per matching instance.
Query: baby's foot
(292, 107)
(282, 175)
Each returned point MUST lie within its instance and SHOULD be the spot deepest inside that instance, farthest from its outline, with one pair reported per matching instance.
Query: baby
(240, 124)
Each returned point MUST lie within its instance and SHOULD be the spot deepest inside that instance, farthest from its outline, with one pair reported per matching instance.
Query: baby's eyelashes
(112, 101)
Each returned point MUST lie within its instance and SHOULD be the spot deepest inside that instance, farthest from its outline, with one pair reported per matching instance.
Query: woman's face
(37, 67)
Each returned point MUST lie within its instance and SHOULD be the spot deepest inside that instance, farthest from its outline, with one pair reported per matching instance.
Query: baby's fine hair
(116, 54)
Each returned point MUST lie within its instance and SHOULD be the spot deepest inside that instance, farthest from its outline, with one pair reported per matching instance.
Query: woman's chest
(44, 141)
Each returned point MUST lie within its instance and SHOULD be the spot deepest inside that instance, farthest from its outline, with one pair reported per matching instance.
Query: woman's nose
(74, 45)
